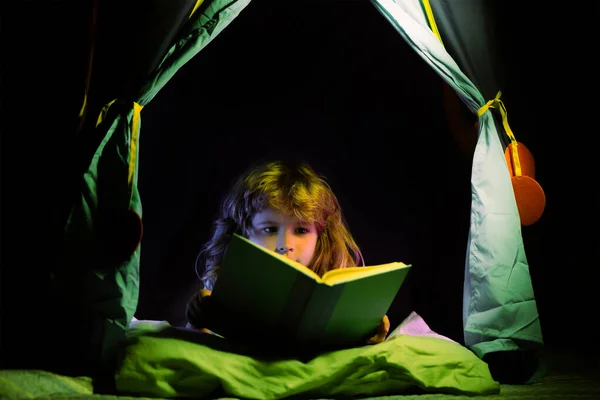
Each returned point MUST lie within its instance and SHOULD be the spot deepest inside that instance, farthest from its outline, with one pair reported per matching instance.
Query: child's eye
(270, 229)
(301, 231)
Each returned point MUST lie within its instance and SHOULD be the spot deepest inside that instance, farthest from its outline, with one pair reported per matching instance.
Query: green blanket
(34, 384)
(162, 361)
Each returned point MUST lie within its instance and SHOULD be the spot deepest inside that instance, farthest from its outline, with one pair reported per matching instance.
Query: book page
(348, 274)
(346, 314)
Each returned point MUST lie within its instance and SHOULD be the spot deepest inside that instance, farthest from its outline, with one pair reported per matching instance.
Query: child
(286, 208)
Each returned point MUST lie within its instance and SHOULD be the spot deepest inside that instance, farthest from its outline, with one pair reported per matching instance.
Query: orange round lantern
(529, 195)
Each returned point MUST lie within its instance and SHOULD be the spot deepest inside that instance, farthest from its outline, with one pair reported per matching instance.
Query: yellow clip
(497, 103)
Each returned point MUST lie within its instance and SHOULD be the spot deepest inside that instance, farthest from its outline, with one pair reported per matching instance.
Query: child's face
(284, 234)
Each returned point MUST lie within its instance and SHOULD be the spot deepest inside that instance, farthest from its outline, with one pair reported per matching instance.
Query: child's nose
(286, 241)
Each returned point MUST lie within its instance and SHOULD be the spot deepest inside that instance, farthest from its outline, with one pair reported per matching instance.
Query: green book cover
(262, 293)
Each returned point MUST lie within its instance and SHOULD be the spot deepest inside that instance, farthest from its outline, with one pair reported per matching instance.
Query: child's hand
(197, 313)
(382, 331)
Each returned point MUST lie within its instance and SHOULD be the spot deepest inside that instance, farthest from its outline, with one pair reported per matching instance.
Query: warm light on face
(284, 234)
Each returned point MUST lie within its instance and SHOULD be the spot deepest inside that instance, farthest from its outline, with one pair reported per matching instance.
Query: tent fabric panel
(495, 247)
(498, 300)
(465, 28)
(208, 21)
(95, 276)
(427, 45)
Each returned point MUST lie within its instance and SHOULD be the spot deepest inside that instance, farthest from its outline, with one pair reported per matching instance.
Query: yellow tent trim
(431, 19)
(198, 3)
(135, 133)
(103, 112)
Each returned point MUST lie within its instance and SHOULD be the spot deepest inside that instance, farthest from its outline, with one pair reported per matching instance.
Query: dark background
(331, 82)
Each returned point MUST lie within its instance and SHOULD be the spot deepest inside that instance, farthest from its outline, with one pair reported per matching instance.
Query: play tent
(499, 310)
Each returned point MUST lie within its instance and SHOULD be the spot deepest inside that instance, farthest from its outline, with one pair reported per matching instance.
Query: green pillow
(163, 361)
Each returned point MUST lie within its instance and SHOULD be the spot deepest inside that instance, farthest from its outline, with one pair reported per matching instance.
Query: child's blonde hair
(292, 189)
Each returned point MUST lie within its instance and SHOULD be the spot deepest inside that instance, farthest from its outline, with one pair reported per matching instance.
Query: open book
(262, 293)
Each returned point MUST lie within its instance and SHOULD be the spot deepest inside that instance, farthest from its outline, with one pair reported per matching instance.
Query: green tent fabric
(467, 30)
(99, 269)
(499, 307)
